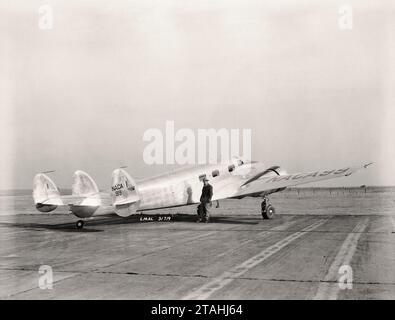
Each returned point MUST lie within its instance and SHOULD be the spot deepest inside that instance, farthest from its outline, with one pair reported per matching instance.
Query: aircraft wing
(263, 184)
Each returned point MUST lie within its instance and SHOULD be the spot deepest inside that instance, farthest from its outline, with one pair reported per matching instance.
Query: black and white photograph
(197, 150)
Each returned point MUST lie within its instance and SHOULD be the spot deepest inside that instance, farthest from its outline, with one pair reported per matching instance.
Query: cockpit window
(231, 167)
(215, 173)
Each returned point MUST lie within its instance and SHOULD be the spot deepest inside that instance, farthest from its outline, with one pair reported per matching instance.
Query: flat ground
(300, 254)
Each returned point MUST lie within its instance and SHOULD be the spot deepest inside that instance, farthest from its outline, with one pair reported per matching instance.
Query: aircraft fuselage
(183, 187)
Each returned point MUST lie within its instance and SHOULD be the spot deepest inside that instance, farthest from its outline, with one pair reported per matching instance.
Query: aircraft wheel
(269, 212)
(79, 224)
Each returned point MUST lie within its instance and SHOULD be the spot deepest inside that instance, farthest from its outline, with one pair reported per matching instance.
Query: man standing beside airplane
(205, 202)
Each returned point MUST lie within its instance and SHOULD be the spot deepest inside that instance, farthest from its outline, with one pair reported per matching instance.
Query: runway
(236, 256)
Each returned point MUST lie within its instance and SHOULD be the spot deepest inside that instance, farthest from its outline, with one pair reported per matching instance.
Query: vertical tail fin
(84, 186)
(46, 195)
(124, 193)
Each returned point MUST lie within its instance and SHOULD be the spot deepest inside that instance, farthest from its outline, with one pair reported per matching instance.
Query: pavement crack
(197, 276)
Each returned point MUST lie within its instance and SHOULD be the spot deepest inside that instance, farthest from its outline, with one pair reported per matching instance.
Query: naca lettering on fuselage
(116, 187)
(307, 175)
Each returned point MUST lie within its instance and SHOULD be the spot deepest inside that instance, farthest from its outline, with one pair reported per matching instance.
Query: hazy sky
(81, 95)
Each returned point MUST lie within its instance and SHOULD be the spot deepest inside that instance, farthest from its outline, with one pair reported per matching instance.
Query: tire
(269, 212)
(79, 224)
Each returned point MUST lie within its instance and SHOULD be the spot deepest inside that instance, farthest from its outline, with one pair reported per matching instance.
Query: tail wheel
(269, 212)
(79, 224)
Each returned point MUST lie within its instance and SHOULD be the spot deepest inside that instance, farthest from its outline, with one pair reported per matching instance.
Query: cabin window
(231, 167)
(202, 176)
(215, 173)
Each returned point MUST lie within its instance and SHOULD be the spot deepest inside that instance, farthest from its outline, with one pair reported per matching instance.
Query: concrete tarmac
(292, 256)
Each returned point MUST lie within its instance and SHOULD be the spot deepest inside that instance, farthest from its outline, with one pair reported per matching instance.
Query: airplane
(235, 179)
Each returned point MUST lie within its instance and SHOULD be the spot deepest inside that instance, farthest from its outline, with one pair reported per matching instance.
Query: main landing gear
(79, 224)
(267, 209)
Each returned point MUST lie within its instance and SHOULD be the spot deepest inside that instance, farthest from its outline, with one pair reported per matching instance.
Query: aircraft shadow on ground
(141, 219)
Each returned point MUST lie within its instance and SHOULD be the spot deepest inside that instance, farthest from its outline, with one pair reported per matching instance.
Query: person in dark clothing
(205, 202)
(264, 204)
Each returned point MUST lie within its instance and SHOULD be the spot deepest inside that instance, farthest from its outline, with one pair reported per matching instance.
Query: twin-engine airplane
(234, 180)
